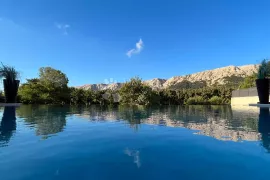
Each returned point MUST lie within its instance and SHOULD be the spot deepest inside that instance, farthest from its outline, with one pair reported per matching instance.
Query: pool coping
(260, 105)
(10, 104)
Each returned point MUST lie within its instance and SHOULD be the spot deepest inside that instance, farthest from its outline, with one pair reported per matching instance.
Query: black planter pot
(264, 127)
(11, 90)
(263, 90)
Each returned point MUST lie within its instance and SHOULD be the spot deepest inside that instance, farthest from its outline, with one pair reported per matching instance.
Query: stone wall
(245, 97)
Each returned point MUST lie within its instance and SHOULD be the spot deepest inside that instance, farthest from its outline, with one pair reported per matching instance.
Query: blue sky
(89, 40)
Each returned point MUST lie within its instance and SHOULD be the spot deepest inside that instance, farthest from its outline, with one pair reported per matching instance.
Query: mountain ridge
(220, 76)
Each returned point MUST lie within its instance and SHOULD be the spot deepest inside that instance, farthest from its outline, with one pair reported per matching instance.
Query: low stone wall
(244, 100)
(245, 97)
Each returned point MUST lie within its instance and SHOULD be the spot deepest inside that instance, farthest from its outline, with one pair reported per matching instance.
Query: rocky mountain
(210, 77)
(98, 87)
(222, 75)
(156, 83)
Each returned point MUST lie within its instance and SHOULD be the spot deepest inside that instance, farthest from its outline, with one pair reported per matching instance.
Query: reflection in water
(264, 127)
(46, 119)
(94, 146)
(220, 122)
(8, 125)
(135, 154)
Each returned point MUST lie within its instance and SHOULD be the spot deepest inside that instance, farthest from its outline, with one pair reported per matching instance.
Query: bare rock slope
(200, 79)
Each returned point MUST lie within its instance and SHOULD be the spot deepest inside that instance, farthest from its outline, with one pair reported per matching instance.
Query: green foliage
(50, 88)
(233, 81)
(80, 96)
(249, 82)
(264, 70)
(9, 73)
(215, 100)
(196, 100)
(134, 92)
(110, 97)
(11, 84)
(53, 77)
(98, 98)
(30, 92)
(88, 97)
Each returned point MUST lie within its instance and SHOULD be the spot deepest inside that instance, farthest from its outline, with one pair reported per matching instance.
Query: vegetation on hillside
(51, 87)
(249, 82)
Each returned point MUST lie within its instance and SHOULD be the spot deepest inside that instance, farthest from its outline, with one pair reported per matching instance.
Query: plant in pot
(11, 84)
(262, 83)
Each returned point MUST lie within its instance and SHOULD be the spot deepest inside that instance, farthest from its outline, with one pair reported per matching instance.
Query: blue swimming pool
(100, 143)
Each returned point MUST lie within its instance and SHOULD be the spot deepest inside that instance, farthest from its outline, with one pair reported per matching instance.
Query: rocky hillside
(216, 76)
(156, 83)
(229, 74)
(98, 87)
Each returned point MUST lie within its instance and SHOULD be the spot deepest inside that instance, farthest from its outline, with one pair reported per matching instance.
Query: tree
(196, 100)
(215, 100)
(53, 77)
(134, 92)
(249, 81)
(31, 92)
(81, 96)
(50, 88)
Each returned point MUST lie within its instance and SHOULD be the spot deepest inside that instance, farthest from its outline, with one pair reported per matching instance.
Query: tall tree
(50, 88)
(54, 77)
(135, 92)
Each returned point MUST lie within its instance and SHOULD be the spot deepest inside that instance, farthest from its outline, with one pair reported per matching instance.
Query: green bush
(134, 92)
(249, 82)
(263, 70)
(196, 100)
(50, 88)
(215, 100)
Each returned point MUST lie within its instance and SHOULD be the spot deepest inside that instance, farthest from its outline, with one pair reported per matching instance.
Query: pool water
(98, 143)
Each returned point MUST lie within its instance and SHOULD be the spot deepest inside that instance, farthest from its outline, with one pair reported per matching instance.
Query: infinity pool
(120, 143)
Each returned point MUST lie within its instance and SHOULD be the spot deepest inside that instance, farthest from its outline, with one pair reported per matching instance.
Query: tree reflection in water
(219, 122)
(47, 120)
(8, 125)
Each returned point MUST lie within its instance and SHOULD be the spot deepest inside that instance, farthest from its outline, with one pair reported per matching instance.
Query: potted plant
(11, 84)
(262, 83)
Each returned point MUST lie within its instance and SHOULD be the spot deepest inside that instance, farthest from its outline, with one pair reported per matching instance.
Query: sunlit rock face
(201, 79)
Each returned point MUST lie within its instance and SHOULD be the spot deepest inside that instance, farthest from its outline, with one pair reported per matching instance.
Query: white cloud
(137, 50)
(62, 27)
